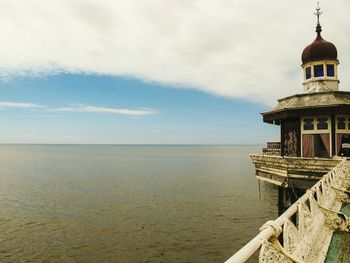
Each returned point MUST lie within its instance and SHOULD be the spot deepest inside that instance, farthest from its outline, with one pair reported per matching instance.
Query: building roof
(309, 103)
(320, 49)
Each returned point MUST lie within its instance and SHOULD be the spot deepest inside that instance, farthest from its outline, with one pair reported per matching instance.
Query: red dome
(320, 49)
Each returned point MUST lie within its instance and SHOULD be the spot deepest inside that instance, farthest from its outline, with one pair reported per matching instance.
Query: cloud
(79, 108)
(94, 109)
(19, 105)
(231, 48)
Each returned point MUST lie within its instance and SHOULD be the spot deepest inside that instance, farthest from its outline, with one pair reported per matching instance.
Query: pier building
(314, 125)
(313, 225)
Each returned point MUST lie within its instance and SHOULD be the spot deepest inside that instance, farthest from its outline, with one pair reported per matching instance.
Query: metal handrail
(271, 228)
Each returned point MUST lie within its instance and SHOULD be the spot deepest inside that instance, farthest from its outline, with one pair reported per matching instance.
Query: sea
(134, 203)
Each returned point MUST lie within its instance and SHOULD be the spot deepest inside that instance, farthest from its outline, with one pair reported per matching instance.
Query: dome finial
(318, 13)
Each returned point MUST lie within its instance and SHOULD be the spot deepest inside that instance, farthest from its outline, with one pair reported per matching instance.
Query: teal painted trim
(339, 249)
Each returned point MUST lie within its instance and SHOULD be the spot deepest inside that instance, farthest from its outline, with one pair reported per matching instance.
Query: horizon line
(135, 144)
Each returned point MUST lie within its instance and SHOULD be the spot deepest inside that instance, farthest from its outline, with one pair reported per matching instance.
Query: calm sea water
(63, 203)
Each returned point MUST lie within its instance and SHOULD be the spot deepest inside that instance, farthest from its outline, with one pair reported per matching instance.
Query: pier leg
(283, 200)
(280, 203)
(287, 197)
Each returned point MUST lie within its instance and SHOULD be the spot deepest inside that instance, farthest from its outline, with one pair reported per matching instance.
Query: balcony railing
(306, 228)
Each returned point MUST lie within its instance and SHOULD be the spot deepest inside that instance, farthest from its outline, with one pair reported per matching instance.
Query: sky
(155, 71)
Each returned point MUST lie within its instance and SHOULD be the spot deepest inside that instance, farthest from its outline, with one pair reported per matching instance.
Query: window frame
(316, 131)
(347, 124)
(315, 122)
(341, 131)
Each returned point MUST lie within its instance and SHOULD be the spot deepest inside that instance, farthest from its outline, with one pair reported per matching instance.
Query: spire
(317, 14)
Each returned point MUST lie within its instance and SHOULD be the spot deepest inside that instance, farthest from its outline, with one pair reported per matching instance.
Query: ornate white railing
(306, 228)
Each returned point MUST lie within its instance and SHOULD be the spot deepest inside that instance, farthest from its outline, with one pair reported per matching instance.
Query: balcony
(295, 172)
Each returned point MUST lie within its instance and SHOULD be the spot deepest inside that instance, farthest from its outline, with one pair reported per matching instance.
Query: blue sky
(156, 72)
(177, 116)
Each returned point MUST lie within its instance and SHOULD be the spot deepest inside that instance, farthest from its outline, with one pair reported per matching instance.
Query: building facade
(315, 123)
(314, 126)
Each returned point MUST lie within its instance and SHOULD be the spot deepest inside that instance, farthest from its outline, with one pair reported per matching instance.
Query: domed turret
(320, 61)
(320, 49)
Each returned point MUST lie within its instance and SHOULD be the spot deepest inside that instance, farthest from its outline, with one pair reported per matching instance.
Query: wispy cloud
(20, 105)
(95, 109)
(78, 108)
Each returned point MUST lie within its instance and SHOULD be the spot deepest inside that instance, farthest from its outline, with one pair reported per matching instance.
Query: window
(315, 132)
(308, 124)
(330, 70)
(318, 71)
(316, 145)
(343, 144)
(308, 72)
(341, 123)
(322, 124)
(319, 123)
(343, 135)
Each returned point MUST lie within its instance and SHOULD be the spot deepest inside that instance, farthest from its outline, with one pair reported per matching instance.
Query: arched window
(308, 124)
(341, 123)
(322, 123)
